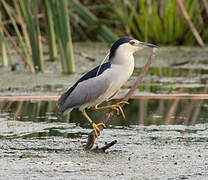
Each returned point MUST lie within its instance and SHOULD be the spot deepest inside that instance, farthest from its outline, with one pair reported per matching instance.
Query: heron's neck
(124, 58)
(124, 62)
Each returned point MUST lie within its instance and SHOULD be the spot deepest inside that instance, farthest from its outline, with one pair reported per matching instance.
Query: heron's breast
(122, 73)
(118, 77)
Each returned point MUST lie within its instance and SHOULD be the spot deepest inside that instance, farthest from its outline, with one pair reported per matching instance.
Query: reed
(20, 20)
(24, 51)
(3, 50)
(30, 12)
(26, 14)
(91, 22)
(62, 26)
(51, 30)
(161, 21)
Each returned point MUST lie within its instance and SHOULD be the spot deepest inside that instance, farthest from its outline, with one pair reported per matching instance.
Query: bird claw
(123, 102)
(117, 107)
(96, 128)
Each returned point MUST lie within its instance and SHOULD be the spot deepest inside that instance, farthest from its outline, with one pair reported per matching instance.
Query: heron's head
(128, 45)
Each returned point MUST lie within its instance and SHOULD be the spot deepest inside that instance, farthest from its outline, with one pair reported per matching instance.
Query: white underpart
(122, 67)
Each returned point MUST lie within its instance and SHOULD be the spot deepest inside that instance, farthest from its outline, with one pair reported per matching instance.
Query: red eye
(132, 42)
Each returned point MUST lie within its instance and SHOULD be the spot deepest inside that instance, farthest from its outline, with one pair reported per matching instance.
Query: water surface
(160, 139)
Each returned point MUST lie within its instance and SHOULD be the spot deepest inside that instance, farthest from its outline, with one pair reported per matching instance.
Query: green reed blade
(62, 26)
(50, 30)
(21, 41)
(157, 25)
(103, 32)
(128, 20)
(83, 12)
(30, 12)
(3, 51)
(20, 20)
(144, 14)
(107, 34)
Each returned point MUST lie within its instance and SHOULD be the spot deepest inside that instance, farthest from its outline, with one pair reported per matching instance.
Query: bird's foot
(117, 107)
(96, 128)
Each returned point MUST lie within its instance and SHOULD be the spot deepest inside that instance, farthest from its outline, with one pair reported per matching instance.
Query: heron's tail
(61, 102)
(67, 111)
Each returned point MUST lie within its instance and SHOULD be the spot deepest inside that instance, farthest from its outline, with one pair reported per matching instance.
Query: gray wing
(85, 92)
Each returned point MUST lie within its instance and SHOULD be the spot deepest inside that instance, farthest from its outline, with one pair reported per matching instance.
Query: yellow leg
(95, 126)
(115, 107)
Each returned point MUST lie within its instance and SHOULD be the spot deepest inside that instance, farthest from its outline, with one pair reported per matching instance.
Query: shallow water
(160, 139)
(175, 69)
(138, 112)
(154, 142)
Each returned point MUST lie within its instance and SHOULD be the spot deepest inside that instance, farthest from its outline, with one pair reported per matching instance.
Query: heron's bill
(147, 44)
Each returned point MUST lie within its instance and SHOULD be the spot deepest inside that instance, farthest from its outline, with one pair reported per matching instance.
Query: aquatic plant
(33, 27)
(161, 21)
(27, 26)
(22, 49)
(30, 12)
(62, 26)
(50, 30)
(3, 50)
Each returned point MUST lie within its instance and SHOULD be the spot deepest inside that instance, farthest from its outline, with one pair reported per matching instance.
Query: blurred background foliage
(31, 27)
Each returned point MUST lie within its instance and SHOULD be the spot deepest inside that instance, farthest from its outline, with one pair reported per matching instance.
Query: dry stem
(190, 23)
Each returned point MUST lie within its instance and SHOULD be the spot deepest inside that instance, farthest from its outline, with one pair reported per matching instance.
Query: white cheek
(130, 47)
(127, 47)
(137, 48)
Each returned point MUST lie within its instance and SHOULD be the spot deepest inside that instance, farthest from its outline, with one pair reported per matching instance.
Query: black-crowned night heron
(103, 82)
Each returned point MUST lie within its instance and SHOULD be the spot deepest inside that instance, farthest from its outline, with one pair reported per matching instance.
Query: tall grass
(161, 21)
(3, 50)
(34, 24)
(61, 17)
(102, 32)
(27, 27)
(30, 11)
(51, 30)
(25, 54)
